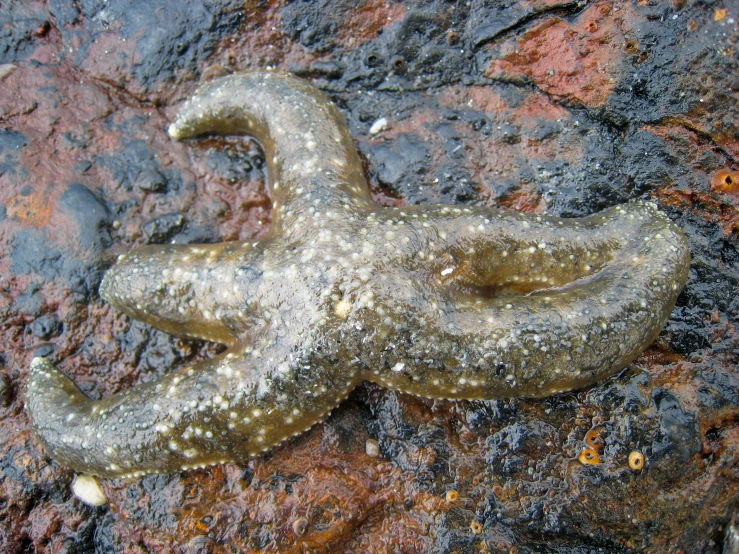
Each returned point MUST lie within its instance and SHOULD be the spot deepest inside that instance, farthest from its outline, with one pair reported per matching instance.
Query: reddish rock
(576, 61)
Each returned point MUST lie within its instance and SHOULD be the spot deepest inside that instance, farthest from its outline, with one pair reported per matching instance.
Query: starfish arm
(554, 339)
(228, 408)
(204, 291)
(489, 252)
(311, 158)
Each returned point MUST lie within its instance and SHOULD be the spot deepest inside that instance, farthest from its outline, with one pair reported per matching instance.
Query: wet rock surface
(548, 107)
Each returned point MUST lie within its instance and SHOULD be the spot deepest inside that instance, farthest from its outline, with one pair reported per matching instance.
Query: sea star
(441, 301)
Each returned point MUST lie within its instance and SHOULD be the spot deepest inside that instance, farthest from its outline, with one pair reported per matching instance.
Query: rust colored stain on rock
(713, 197)
(259, 42)
(707, 206)
(519, 147)
(257, 504)
(31, 209)
(577, 62)
(366, 19)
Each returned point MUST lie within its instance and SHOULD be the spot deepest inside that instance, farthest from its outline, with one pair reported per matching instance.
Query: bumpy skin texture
(442, 301)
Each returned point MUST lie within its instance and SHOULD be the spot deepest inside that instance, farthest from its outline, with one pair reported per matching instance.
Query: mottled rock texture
(545, 107)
